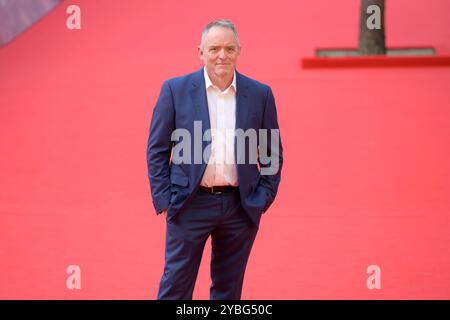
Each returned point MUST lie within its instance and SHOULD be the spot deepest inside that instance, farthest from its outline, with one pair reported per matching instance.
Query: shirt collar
(208, 82)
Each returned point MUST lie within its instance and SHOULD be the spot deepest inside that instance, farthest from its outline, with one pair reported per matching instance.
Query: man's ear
(200, 52)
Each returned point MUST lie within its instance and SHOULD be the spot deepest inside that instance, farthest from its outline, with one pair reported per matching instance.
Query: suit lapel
(242, 106)
(241, 102)
(200, 101)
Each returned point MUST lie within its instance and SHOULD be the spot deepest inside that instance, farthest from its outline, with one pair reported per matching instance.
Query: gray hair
(220, 23)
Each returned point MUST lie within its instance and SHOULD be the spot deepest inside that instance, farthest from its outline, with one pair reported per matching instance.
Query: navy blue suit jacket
(182, 101)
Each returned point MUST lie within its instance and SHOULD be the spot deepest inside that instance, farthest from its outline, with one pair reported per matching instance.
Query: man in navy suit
(206, 181)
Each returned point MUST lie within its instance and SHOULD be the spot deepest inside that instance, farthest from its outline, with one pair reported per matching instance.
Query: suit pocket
(179, 187)
(178, 178)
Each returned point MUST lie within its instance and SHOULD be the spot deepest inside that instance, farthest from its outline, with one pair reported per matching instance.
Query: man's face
(220, 51)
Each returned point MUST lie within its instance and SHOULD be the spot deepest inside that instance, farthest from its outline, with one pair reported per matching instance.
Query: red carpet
(367, 158)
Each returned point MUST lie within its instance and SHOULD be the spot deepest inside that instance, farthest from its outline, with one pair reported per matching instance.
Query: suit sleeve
(271, 180)
(159, 148)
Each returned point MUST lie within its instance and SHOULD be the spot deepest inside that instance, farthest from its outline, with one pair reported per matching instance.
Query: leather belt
(218, 189)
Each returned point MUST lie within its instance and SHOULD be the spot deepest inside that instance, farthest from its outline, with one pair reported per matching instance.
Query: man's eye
(212, 49)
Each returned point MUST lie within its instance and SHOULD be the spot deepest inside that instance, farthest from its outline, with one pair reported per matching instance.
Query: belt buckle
(215, 192)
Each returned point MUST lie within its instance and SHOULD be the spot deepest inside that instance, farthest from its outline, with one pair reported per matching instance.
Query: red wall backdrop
(367, 171)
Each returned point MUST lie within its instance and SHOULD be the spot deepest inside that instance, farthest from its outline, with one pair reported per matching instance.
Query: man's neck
(222, 83)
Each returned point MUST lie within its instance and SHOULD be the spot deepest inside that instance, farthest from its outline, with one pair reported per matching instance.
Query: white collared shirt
(221, 167)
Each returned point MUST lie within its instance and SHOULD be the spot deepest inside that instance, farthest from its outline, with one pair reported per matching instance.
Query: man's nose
(222, 54)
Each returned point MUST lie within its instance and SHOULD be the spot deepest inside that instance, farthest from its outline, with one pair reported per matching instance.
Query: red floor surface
(367, 158)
